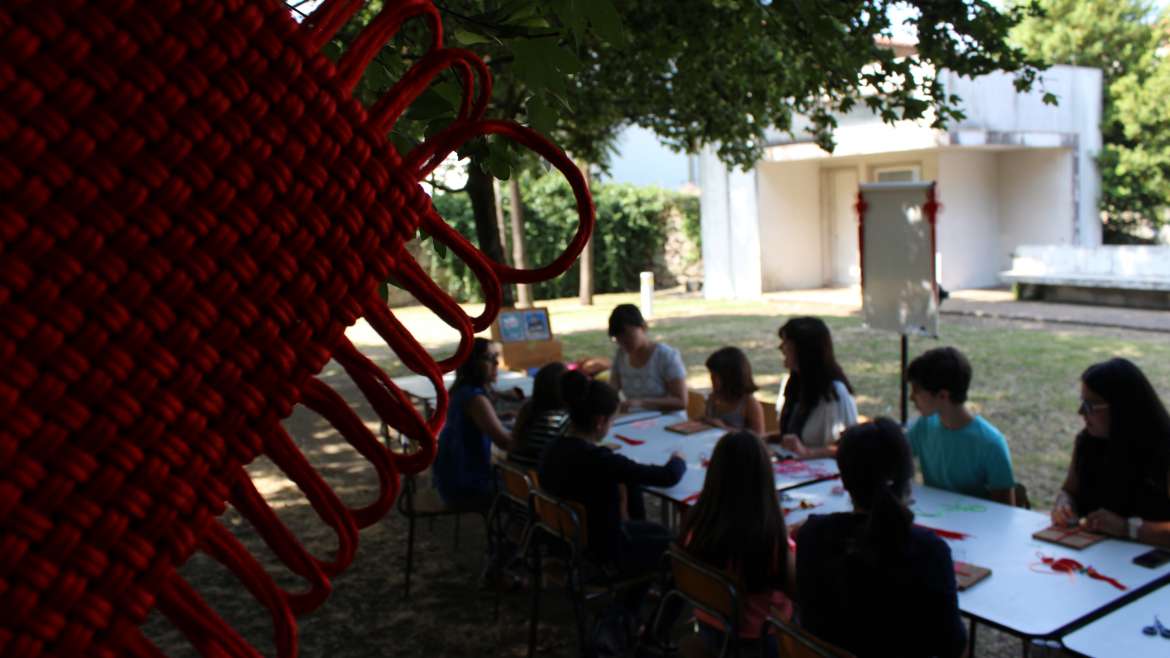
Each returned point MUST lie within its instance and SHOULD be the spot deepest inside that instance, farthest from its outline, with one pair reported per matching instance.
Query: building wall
(1036, 202)
(791, 253)
(730, 230)
(968, 227)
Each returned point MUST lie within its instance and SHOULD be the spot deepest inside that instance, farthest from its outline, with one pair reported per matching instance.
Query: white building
(1015, 171)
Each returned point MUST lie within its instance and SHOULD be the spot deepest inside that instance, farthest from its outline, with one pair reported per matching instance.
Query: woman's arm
(675, 398)
(753, 415)
(1064, 510)
(483, 414)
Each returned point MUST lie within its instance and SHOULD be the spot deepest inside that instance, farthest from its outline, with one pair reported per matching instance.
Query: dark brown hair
(737, 523)
(734, 370)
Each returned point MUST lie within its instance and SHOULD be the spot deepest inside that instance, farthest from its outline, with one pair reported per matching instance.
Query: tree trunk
(501, 223)
(585, 290)
(483, 206)
(523, 290)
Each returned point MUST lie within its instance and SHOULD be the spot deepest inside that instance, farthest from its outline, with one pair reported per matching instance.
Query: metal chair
(559, 528)
(416, 503)
(709, 590)
(795, 642)
(511, 511)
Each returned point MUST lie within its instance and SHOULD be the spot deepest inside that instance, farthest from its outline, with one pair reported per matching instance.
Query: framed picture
(512, 326)
(536, 324)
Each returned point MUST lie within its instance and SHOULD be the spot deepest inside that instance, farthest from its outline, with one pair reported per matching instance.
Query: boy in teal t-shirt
(958, 451)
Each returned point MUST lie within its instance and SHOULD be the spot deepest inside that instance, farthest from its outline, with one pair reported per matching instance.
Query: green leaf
(469, 38)
(541, 117)
(605, 20)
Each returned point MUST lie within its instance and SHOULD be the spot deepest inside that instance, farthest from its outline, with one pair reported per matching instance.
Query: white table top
(1021, 594)
(421, 387)
(696, 448)
(1119, 633)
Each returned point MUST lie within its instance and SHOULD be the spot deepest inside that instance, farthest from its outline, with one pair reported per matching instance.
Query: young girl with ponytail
(869, 581)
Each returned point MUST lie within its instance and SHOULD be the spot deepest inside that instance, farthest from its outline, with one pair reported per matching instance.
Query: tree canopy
(1123, 38)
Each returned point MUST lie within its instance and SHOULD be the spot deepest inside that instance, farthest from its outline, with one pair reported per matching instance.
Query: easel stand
(905, 384)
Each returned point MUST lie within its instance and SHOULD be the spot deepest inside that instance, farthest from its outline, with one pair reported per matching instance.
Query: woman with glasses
(650, 375)
(1118, 482)
(463, 465)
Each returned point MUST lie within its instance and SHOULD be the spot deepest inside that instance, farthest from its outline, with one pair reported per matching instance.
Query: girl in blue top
(463, 465)
(732, 404)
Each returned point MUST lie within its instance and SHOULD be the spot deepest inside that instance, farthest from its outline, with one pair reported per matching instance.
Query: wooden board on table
(1074, 538)
(967, 574)
(688, 427)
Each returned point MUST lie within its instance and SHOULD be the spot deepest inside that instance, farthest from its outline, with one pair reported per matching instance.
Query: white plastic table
(1119, 633)
(1020, 596)
(659, 443)
(420, 387)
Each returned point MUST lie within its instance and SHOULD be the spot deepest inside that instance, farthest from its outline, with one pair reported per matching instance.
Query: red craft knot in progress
(193, 208)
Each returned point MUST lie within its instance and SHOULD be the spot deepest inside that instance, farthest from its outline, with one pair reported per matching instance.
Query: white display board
(898, 279)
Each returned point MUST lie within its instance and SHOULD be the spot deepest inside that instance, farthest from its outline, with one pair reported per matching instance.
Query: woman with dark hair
(463, 465)
(542, 418)
(869, 581)
(650, 375)
(736, 525)
(1118, 482)
(574, 466)
(816, 400)
(732, 404)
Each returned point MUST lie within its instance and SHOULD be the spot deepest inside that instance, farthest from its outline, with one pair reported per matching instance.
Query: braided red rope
(192, 209)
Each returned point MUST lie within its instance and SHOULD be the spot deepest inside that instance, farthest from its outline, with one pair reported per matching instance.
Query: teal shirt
(972, 460)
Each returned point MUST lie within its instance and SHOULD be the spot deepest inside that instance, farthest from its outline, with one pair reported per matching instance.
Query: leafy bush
(629, 237)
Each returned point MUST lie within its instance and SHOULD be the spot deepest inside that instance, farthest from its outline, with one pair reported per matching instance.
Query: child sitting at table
(869, 581)
(543, 417)
(959, 451)
(731, 404)
(575, 467)
(736, 525)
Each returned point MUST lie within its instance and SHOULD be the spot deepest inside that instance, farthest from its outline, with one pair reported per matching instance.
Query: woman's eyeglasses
(494, 358)
(1088, 407)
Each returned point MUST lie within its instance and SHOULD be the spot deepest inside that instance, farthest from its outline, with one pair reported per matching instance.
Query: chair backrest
(563, 518)
(795, 642)
(515, 483)
(1022, 497)
(771, 419)
(696, 404)
(707, 588)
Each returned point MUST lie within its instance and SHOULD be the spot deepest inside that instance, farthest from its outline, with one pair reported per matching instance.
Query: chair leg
(534, 613)
(971, 638)
(577, 595)
(409, 552)
(457, 518)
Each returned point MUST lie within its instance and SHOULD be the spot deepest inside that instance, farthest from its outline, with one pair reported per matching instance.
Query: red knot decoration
(193, 208)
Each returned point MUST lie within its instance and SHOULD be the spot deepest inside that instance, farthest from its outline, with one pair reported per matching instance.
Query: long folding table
(1023, 595)
(1126, 630)
(647, 441)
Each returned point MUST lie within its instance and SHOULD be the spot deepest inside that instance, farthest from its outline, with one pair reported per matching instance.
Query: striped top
(540, 431)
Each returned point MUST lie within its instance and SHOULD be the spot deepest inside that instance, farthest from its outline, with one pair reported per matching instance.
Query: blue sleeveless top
(463, 465)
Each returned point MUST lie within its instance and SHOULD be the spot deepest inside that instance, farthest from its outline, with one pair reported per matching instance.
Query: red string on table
(629, 440)
(193, 208)
(945, 534)
(1071, 567)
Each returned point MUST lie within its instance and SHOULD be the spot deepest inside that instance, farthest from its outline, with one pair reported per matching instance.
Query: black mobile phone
(1152, 559)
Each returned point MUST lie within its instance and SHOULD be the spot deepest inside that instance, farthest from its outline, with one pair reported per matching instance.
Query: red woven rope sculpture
(192, 209)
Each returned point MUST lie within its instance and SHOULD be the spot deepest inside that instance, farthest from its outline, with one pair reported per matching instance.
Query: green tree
(697, 72)
(1120, 37)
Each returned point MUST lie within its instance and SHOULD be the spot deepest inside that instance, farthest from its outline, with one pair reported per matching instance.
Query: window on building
(897, 174)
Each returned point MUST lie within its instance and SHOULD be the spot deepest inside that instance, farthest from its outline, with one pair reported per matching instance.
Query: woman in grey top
(650, 375)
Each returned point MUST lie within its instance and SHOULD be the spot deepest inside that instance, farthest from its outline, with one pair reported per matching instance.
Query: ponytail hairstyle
(817, 369)
(876, 468)
(546, 396)
(734, 370)
(473, 371)
(588, 400)
(737, 521)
